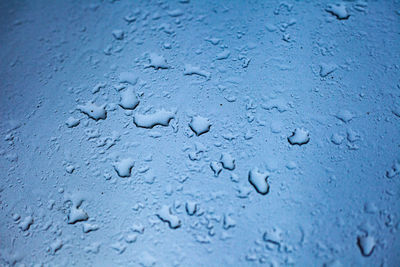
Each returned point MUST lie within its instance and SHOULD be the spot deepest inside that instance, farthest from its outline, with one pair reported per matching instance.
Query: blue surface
(199, 133)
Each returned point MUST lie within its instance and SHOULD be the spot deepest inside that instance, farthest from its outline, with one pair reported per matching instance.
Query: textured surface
(266, 133)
